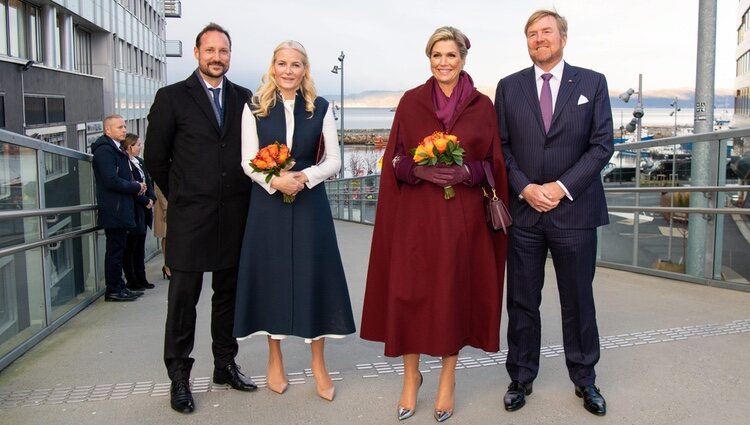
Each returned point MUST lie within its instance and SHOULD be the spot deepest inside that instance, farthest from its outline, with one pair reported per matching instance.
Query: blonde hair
(265, 97)
(562, 23)
(449, 34)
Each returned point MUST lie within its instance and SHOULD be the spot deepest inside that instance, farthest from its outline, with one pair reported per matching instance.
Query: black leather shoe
(134, 287)
(181, 398)
(136, 294)
(593, 400)
(231, 375)
(515, 397)
(119, 296)
(147, 285)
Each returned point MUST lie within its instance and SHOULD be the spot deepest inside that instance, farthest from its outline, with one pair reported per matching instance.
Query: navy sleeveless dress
(291, 280)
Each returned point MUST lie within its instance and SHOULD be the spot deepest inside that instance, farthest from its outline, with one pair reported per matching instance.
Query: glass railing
(48, 247)
(683, 213)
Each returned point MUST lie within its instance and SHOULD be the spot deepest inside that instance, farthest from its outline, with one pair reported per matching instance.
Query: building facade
(742, 75)
(66, 64)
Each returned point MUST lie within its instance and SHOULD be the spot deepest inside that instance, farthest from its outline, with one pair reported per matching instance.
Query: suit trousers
(115, 248)
(134, 262)
(179, 337)
(574, 258)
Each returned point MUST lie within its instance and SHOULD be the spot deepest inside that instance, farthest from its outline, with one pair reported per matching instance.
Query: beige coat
(160, 214)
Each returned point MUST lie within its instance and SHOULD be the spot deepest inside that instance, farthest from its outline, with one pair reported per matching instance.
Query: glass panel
(36, 111)
(17, 28)
(3, 29)
(55, 110)
(2, 109)
(22, 311)
(18, 191)
(35, 47)
(71, 275)
(68, 189)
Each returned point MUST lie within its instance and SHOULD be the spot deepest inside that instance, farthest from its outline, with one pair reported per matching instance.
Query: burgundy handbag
(496, 213)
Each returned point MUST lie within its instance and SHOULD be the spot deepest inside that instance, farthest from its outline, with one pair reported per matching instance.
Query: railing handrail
(47, 241)
(686, 139)
(726, 188)
(32, 143)
(4, 215)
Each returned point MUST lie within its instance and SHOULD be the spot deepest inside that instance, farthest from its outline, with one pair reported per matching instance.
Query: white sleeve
(250, 149)
(332, 161)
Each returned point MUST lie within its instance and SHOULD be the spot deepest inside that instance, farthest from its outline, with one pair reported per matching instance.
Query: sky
(384, 40)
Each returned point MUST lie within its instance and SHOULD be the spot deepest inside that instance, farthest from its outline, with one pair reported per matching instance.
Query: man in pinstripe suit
(556, 130)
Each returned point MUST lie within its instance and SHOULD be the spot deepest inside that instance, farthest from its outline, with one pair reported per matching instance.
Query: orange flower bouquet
(271, 160)
(439, 149)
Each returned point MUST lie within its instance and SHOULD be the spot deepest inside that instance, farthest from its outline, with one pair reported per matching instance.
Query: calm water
(365, 158)
(379, 118)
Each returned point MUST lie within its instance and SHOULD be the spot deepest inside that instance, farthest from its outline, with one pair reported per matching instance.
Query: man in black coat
(193, 154)
(115, 189)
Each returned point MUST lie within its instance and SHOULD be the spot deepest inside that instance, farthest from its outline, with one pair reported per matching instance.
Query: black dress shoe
(147, 285)
(231, 375)
(119, 296)
(515, 397)
(593, 400)
(135, 294)
(134, 287)
(181, 398)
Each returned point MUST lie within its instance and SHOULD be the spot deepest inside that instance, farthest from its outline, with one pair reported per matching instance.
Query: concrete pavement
(672, 352)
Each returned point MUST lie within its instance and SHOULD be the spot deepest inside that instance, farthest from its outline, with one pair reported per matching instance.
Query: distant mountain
(724, 98)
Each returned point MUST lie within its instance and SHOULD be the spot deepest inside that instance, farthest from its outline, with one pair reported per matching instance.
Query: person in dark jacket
(134, 260)
(192, 152)
(115, 189)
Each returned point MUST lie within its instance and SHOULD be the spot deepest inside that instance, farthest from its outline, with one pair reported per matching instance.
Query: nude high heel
(404, 413)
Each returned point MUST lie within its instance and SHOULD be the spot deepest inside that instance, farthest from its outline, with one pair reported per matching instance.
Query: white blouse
(315, 173)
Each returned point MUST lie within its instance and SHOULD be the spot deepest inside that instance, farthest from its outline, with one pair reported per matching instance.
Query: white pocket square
(582, 100)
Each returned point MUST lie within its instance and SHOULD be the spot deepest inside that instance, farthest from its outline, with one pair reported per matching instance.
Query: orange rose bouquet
(271, 160)
(439, 149)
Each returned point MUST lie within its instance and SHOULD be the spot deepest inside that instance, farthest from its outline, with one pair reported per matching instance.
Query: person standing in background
(115, 189)
(134, 262)
(192, 151)
(556, 130)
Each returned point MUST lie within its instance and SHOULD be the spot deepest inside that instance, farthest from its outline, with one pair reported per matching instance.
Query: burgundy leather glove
(461, 174)
(441, 176)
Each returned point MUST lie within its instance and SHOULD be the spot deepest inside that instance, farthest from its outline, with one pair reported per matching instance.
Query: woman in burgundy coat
(435, 279)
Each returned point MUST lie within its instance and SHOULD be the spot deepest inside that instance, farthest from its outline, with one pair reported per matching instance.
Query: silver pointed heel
(443, 415)
(404, 413)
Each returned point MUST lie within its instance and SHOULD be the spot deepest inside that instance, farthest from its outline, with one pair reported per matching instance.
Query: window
(16, 28)
(44, 110)
(3, 29)
(82, 55)
(55, 110)
(36, 110)
(55, 165)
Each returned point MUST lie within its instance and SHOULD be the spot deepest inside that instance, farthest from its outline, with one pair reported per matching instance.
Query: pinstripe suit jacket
(574, 151)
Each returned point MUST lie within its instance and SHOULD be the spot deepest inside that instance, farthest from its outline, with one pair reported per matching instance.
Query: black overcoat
(196, 163)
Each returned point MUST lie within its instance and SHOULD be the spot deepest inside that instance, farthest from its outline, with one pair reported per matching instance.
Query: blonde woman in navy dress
(291, 280)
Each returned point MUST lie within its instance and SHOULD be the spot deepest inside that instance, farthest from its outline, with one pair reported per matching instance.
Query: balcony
(173, 48)
(172, 9)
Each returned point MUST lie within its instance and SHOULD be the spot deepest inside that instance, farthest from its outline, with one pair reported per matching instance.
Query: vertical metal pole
(23, 105)
(343, 167)
(636, 214)
(698, 245)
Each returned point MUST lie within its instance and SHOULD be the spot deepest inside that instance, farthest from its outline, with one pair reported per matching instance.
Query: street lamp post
(674, 112)
(635, 124)
(340, 70)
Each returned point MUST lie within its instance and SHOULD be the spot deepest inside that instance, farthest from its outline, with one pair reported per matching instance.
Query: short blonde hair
(562, 23)
(265, 97)
(449, 34)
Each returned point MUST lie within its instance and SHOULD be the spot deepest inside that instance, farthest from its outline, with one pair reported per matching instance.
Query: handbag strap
(488, 174)
(490, 181)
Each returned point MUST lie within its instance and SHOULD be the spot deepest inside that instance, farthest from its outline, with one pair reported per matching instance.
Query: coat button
(223, 145)
(224, 174)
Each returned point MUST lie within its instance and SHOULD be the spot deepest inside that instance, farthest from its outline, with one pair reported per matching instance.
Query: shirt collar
(556, 72)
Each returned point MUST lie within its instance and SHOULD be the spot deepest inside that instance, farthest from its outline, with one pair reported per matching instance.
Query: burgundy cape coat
(435, 278)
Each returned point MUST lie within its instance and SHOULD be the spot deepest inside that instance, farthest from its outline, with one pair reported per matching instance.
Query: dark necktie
(545, 102)
(216, 92)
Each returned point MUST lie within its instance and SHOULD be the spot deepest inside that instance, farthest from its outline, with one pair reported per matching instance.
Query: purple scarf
(446, 107)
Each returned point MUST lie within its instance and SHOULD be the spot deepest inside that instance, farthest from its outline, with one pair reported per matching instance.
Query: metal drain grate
(100, 392)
